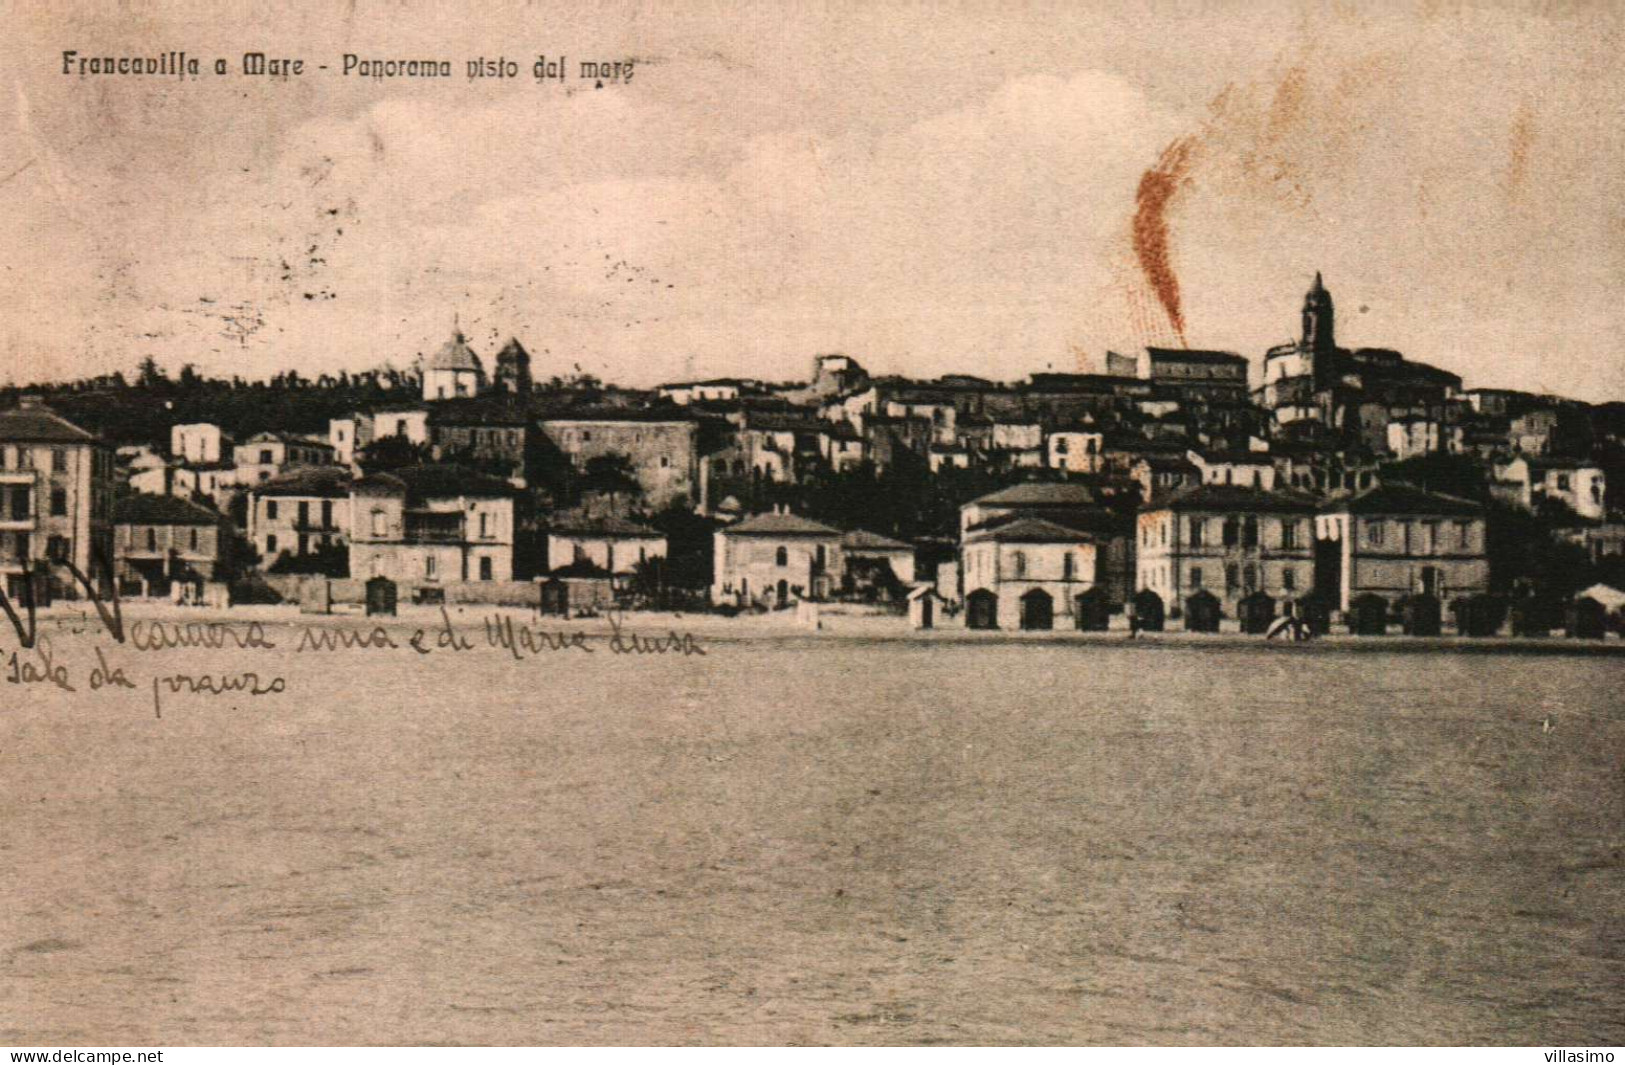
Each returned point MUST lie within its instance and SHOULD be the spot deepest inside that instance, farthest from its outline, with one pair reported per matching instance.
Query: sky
(984, 188)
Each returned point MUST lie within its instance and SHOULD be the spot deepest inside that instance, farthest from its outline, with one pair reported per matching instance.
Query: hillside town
(1316, 488)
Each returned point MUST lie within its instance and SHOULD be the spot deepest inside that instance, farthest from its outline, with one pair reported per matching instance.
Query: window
(1162, 531)
(378, 523)
(782, 556)
(1060, 445)
(428, 566)
(1374, 533)
(1232, 532)
(1197, 527)
(270, 510)
(1289, 579)
(820, 557)
(1249, 577)
(59, 502)
(21, 500)
(1020, 561)
(485, 568)
(1289, 536)
(485, 524)
(1066, 566)
(1230, 577)
(664, 461)
(265, 454)
(1249, 532)
(59, 460)
(1562, 482)
(152, 539)
(1196, 576)
(194, 538)
(304, 513)
(327, 513)
(1464, 534)
(270, 545)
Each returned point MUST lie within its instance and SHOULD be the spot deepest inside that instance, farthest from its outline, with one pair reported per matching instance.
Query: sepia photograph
(764, 524)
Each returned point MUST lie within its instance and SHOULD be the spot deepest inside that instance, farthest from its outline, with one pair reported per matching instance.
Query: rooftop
(33, 423)
(1235, 497)
(1030, 531)
(780, 525)
(1041, 494)
(148, 509)
(1403, 499)
(434, 481)
(864, 540)
(329, 482)
(455, 355)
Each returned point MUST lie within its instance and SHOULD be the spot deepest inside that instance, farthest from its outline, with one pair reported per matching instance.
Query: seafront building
(56, 501)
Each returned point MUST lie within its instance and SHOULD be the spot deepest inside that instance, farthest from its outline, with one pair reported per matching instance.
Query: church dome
(456, 355)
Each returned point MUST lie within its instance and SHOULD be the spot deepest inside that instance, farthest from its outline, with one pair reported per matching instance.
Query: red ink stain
(1158, 187)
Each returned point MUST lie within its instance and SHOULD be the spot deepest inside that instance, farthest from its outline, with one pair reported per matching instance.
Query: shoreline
(862, 628)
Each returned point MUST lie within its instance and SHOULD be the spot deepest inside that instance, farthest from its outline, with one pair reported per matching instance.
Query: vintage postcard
(747, 523)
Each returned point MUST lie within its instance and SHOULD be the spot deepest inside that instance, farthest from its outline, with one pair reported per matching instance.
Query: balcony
(436, 528)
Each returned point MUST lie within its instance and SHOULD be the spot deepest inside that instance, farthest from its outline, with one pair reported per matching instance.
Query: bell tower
(1319, 334)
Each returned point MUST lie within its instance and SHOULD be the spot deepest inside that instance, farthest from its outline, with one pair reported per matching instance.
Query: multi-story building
(770, 559)
(199, 443)
(1230, 541)
(660, 447)
(160, 538)
(429, 526)
(1025, 574)
(56, 499)
(615, 545)
(1581, 486)
(1395, 541)
(1076, 450)
(265, 455)
(299, 513)
(1097, 508)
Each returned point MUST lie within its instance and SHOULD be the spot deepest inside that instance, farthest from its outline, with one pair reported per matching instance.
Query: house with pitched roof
(56, 497)
(1395, 540)
(158, 539)
(1027, 573)
(430, 526)
(772, 559)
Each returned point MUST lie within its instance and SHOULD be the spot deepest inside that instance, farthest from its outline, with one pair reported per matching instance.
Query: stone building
(430, 526)
(158, 539)
(1230, 541)
(513, 369)
(661, 448)
(1394, 540)
(56, 499)
(1098, 507)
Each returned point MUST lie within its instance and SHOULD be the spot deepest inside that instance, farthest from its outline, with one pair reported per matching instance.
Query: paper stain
(1159, 186)
(1521, 141)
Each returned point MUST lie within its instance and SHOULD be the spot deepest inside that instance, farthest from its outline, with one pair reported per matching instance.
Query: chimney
(29, 401)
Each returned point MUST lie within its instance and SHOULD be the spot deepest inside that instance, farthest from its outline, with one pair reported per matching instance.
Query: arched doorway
(784, 592)
(981, 610)
(1148, 610)
(1037, 610)
(1093, 611)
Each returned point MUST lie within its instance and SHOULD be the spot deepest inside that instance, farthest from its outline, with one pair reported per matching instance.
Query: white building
(1025, 574)
(429, 526)
(198, 443)
(614, 545)
(453, 371)
(1580, 485)
(771, 559)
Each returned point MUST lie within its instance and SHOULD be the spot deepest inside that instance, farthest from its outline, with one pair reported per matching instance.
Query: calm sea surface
(818, 841)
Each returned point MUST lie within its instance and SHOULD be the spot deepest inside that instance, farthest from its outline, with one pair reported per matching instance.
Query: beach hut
(1368, 615)
(1202, 612)
(1148, 610)
(924, 605)
(1585, 619)
(1421, 615)
(1316, 613)
(381, 596)
(1093, 610)
(1533, 616)
(1256, 612)
(1478, 615)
